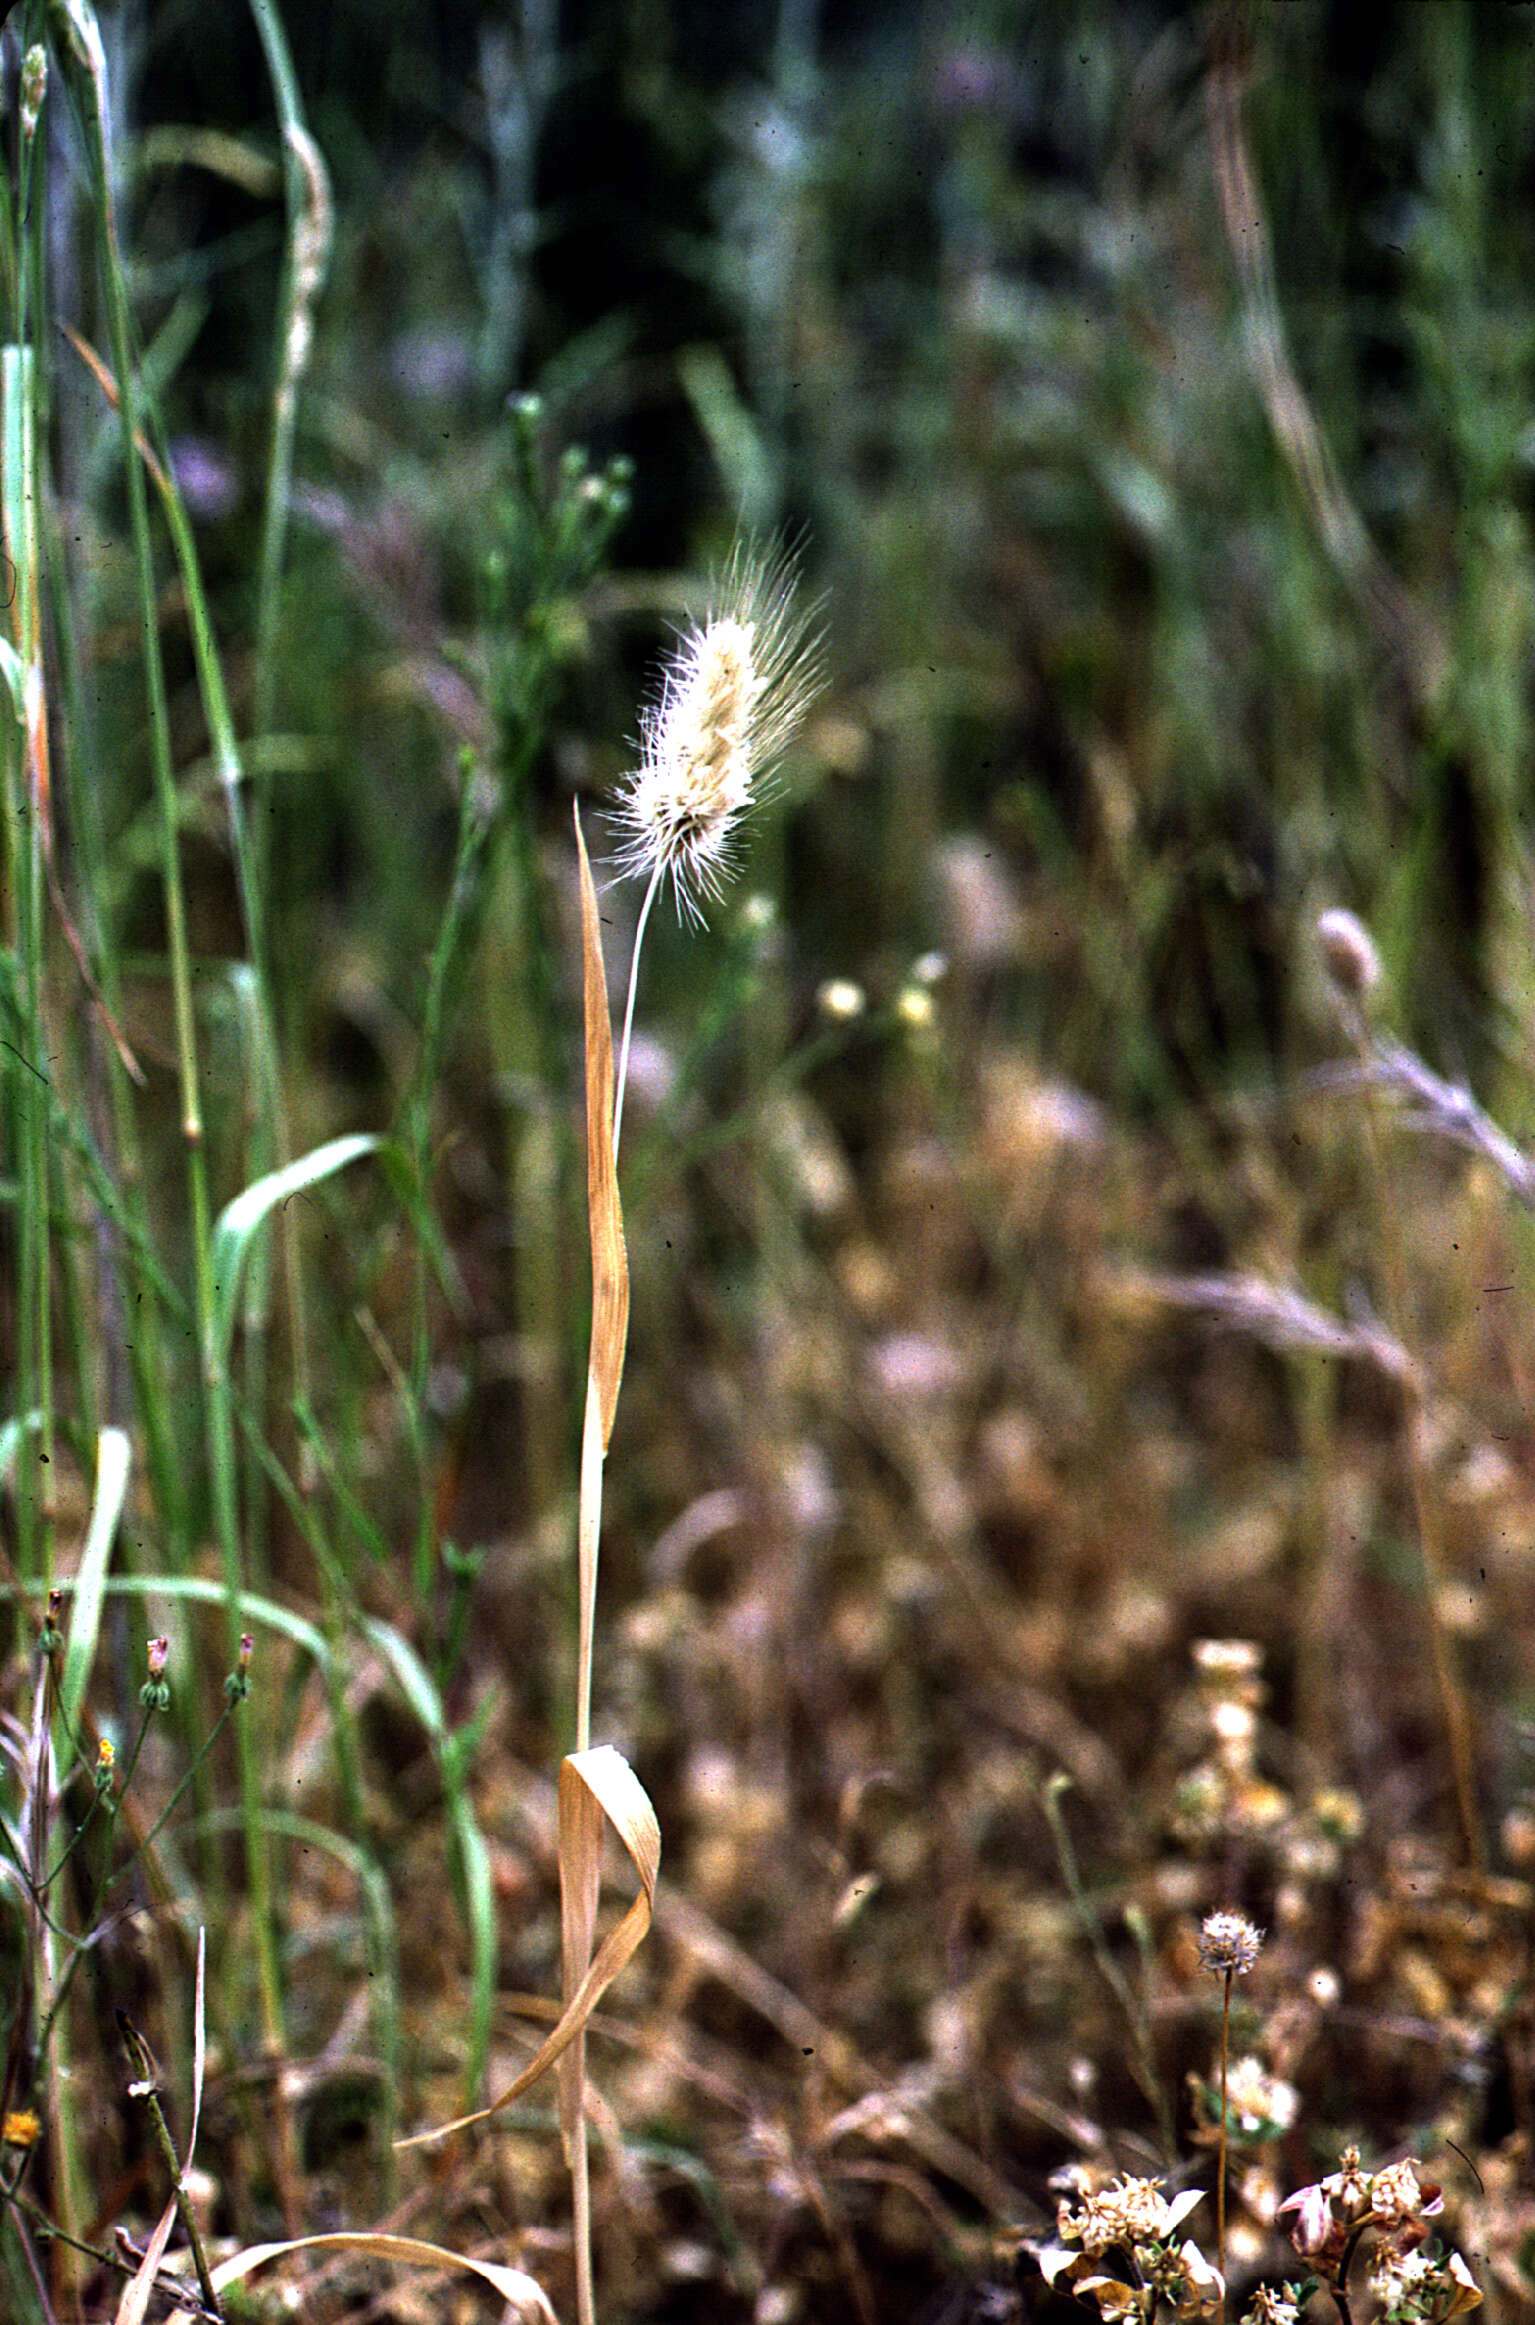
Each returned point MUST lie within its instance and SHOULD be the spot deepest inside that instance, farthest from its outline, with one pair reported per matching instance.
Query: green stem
(274, 528)
(188, 1778)
(146, 2087)
(81, 1829)
(112, 2263)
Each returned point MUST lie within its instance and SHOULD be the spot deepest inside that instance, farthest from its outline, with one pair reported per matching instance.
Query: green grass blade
(480, 1906)
(416, 1683)
(239, 1220)
(113, 1461)
(255, 1612)
(14, 672)
(11, 1435)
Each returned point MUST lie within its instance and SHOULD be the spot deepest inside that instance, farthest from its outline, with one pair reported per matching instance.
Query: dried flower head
(1396, 2201)
(1132, 2217)
(1259, 2103)
(1400, 2200)
(20, 2128)
(1322, 2225)
(1271, 2305)
(1348, 949)
(1229, 1944)
(1128, 2213)
(1423, 2288)
(734, 690)
(1192, 2285)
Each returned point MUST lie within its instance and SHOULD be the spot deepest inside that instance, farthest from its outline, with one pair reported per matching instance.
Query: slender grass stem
(581, 2224)
(1220, 2182)
(1144, 2066)
(634, 977)
(146, 2087)
(1452, 1701)
(274, 527)
(189, 1776)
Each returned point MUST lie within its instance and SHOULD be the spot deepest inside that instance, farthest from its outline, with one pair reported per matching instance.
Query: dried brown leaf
(133, 2308)
(610, 1265)
(602, 1775)
(524, 2294)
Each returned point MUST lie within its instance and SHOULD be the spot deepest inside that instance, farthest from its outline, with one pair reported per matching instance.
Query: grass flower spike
(736, 687)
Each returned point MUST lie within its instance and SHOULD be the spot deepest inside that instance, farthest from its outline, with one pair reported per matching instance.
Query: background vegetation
(1150, 391)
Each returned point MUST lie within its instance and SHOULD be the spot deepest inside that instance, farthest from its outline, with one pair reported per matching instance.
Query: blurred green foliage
(952, 291)
(1148, 392)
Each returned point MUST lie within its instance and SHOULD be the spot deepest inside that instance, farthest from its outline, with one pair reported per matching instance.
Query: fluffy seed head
(736, 686)
(1348, 949)
(1229, 1943)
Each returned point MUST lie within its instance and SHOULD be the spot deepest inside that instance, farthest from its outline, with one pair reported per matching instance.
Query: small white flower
(841, 1000)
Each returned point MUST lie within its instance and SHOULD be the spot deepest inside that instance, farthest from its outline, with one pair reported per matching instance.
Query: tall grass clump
(161, 1406)
(135, 1209)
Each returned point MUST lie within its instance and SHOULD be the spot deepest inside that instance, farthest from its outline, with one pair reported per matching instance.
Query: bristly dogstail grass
(735, 689)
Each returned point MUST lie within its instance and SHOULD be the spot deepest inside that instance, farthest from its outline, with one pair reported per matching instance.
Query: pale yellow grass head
(736, 686)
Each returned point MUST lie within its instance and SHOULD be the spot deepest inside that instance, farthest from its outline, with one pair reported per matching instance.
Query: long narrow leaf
(141, 2287)
(113, 1457)
(610, 1264)
(523, 2293)
(11, 1435)
(610, 1284)
(255, 1612)
(480, 1908)
(240, 1219)
(13, 671)
(415, 1682)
